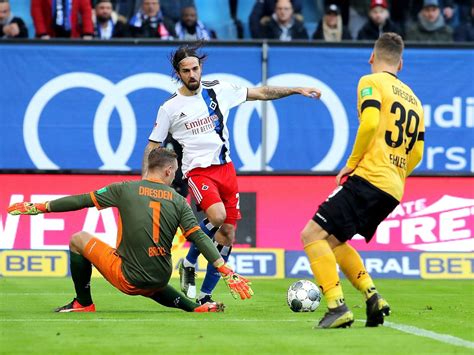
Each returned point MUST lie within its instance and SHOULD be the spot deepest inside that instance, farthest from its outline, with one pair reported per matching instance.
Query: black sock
(169, 297)
(81, 271)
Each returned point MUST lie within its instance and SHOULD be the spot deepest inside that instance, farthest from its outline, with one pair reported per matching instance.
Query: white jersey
(198, 123)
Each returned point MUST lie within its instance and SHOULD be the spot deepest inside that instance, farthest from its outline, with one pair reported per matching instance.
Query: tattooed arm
(277, 92)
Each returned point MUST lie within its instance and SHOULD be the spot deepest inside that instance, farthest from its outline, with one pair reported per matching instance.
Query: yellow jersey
(389, 152)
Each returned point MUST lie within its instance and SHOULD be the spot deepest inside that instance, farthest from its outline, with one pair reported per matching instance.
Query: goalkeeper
(150, 212)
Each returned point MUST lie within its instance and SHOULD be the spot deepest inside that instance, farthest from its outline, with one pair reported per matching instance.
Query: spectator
(344, 7)
(284, 25)
(11, 26)
(189, 28)
(127, 8)
(149, 22)
(62, 18)
(173, 8)
(378, 22)
(461, 7)
(430, 25)
(262, 12)
(107, 24)
(330, 27)
(465, 32)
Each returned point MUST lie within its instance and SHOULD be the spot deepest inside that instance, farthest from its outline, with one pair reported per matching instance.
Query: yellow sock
(323, 265)
(351, 265)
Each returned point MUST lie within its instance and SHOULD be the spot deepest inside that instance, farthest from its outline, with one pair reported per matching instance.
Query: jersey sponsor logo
(204, 187)
(202, 125)
(115, 100)
(366, 92)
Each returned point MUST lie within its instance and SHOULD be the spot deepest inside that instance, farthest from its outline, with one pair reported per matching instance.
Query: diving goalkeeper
(150, 212)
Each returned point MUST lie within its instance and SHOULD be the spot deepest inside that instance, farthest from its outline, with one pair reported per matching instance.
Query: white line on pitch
(444, 338)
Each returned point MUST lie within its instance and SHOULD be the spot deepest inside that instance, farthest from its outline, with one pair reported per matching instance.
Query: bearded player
(196, 116)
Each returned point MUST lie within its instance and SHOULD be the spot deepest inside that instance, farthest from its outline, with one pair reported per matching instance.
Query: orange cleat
(210, 307)
(75, 306)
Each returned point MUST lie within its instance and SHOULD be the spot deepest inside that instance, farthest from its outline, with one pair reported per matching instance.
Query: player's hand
(238, 285)
(344, 172)
(28, 208)
(311, 93)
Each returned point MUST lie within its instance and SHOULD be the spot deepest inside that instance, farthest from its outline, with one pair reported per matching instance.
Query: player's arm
(278, 92)
(149, 147)
(157, 136)
(63, 204)
(105, 197)
(238, 285)
(417, 153)
(369, 116)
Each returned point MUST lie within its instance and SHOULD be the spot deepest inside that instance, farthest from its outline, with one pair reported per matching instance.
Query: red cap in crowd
(375, 3)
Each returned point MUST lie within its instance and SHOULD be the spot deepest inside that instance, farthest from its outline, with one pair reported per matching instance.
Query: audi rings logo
(115, 98)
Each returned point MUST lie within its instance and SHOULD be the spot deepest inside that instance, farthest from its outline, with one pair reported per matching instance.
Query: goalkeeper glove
(238, 285)
(28, 208)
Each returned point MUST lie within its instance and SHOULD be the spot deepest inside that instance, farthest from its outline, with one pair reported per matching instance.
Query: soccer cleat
(339, 317)
(377, 309)
(75, 306)
(210, 307)
(187, 280)
(205, 299)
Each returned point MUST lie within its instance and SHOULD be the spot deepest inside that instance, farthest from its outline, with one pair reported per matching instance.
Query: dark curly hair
(185, 51)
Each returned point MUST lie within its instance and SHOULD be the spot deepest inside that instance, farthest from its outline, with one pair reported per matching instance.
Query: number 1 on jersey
(156, 207)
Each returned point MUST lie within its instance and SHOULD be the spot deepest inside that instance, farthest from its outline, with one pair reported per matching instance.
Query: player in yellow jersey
(388, 146)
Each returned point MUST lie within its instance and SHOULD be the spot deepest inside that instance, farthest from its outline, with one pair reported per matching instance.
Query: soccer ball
(303, 296)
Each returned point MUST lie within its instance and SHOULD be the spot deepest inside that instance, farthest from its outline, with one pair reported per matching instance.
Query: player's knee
(305, 237)
(226, 235)
(312, 232)
(78, 241)
(217, 218)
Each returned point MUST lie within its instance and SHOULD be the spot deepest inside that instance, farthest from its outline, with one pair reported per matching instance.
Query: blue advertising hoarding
(93, 107)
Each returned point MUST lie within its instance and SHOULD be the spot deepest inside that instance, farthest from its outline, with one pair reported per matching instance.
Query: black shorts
(357, 207)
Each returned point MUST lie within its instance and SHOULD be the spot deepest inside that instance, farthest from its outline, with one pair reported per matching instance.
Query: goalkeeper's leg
(81, 271)
(169, 297)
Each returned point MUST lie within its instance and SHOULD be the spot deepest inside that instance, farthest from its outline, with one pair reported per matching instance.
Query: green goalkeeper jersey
(149, 214)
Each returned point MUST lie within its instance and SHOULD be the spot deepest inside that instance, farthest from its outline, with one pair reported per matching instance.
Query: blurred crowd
(415, 20)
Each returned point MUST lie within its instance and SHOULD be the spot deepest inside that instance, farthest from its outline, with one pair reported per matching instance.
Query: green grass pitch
(265, 324)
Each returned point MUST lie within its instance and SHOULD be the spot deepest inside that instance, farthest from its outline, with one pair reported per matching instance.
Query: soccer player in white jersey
(196, 116)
